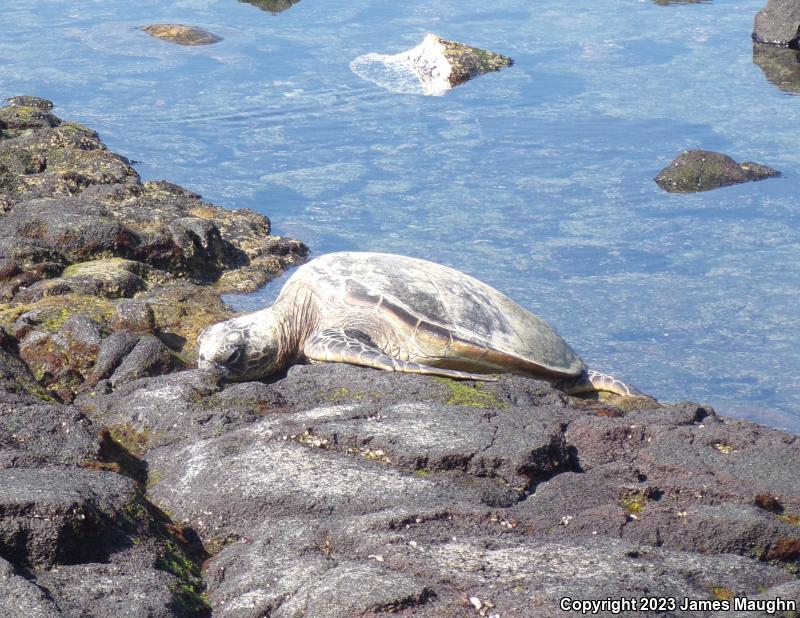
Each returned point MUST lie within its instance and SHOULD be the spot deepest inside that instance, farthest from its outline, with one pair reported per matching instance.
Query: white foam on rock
(423, 69)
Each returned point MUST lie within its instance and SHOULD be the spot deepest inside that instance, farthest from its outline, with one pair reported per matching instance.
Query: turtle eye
(234, 357)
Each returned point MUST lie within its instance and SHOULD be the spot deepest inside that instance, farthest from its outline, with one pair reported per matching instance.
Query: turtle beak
(203, 364)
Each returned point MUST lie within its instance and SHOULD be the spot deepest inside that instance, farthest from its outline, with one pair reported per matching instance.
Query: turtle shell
(482, 322)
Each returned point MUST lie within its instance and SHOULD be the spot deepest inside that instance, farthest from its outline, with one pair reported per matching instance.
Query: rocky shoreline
(134, 485)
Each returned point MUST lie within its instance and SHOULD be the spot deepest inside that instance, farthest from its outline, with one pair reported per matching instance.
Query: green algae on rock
(81, 235)
(704, 170)
(182, 35)
(467, 62)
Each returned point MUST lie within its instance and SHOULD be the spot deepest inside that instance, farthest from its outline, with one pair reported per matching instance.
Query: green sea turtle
(400, 314)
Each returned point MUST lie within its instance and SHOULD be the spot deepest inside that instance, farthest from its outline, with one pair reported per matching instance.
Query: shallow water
(537, 179)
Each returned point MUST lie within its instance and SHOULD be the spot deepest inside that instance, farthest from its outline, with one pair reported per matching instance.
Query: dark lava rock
(440, 64)
(28, 101)
(467, 62)
(22, 598)
(133, 315)
(33, 434)
(112, 351)
(182, 35)
(273, 6)
(340, 491)
(780, 65)
(61, 516)
(703, 170)
(778, 23)
(80, 234)
(148, 357)
(61, 359)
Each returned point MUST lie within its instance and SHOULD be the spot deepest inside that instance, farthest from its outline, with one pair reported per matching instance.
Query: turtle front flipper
(343, 346)
(591, 381)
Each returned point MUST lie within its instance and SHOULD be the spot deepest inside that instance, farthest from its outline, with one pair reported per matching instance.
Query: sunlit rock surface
(778, 23)
(182, 35)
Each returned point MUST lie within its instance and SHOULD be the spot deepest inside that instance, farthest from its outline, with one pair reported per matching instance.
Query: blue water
(536, 179)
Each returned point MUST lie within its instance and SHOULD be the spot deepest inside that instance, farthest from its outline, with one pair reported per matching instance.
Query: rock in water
(781, 66)
(433, 67)
(703, 170)
(273, 6)
(182, 35)
(778, 23)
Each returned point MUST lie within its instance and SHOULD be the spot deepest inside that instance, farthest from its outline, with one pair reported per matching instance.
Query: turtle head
(244, 348)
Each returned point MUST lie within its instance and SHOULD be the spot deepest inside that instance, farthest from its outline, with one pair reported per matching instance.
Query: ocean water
(536, 179)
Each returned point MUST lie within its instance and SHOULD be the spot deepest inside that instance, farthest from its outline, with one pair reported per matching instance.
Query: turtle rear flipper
(339, 346)
(591, 381)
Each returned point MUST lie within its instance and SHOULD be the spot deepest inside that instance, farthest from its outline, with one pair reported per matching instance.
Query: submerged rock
(273, 6)
(780, 65)
(182, 35)
(703, 170)
(778, 23)
(436, 65)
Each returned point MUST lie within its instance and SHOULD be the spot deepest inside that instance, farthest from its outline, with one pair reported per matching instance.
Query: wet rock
(28, 101)
(438, 65)
(778, 23)
(465, 62)
(273, 6)
(780, 65)
(17, 119)
(182, 35)
(703, 170)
